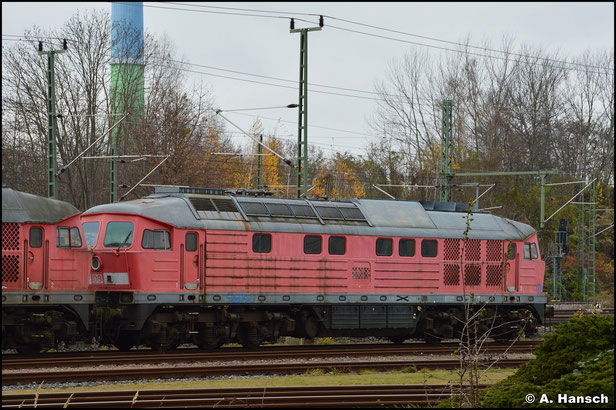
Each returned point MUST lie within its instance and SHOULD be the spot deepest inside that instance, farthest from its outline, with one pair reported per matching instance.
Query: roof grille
(254, 208)
(225, 205)
(203, 204)
(279, 210)
(328, 212)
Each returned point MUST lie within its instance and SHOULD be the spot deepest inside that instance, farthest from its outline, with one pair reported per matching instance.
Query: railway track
(304, 397)
(563, 315)
(100, 358)
(200, 371)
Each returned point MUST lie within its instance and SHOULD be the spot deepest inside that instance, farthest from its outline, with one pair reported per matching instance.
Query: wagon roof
(352, 216)
(21, 207)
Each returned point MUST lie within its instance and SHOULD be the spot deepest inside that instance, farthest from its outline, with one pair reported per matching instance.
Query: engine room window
(312, 244)
(36, 237)
(384, 246)
(159, 239)
(191, 242)
(530, 251)
(337, 245)
(406, 247)
(262, 243)
(90, 232)
(118, 235)
(428, 248)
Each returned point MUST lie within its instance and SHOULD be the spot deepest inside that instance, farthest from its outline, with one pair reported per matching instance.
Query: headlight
(96, 263)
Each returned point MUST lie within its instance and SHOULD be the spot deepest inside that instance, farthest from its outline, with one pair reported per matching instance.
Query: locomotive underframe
(164, 326)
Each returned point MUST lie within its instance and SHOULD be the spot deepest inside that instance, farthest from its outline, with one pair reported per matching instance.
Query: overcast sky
(264, 46)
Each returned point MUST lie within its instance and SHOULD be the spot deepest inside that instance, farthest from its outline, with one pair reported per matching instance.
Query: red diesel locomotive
(45, 273)
(195, 265)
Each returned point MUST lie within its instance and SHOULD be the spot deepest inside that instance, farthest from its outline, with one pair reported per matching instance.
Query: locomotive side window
(262, 243)
(36, 237)
(75, 238)
(159, 239)
(337, 245)
(118, 234)
(191, 242)
(406, 247)
(384, 246)
(530, 251)
(64, 239)
(428, 248)
(90, 231)
(511, 251)
(312, 244)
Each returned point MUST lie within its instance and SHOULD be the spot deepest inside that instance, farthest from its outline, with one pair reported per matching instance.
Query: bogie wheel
(397, 339)
(126, 341)
(29, 349)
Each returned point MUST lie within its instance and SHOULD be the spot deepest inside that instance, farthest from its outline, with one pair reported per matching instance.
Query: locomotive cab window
(36, 237)
(312, 244)
(530, 251)
(191, 242)
(384, 246)
(158, 239)
(262, 243)
(337, 245)
(118, 235)
(428, 248)
(406, 247)
(90, 232)
(68, 237)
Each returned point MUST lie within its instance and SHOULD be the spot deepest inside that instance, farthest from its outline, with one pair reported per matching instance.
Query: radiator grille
(494, 250)
(10, 237)
(452, 249)
(360, 273)
(472, 275)
(473, 250)
(10, 268)
(494, 275)
(452, 275)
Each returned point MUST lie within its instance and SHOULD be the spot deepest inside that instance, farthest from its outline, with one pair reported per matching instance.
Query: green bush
(577, 360)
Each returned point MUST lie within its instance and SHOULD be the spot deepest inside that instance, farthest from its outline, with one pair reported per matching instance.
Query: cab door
(513, 267)
(191, 263)
(36, 256)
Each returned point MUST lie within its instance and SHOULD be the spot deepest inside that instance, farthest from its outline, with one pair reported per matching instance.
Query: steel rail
(302, 396)
(195, 355)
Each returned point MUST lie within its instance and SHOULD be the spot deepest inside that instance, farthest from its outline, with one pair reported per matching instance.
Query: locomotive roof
(21, 207)
(381, 217)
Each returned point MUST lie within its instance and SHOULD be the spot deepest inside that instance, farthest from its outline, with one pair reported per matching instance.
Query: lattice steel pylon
(592, 220)
(446, 174)
(302, 121)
